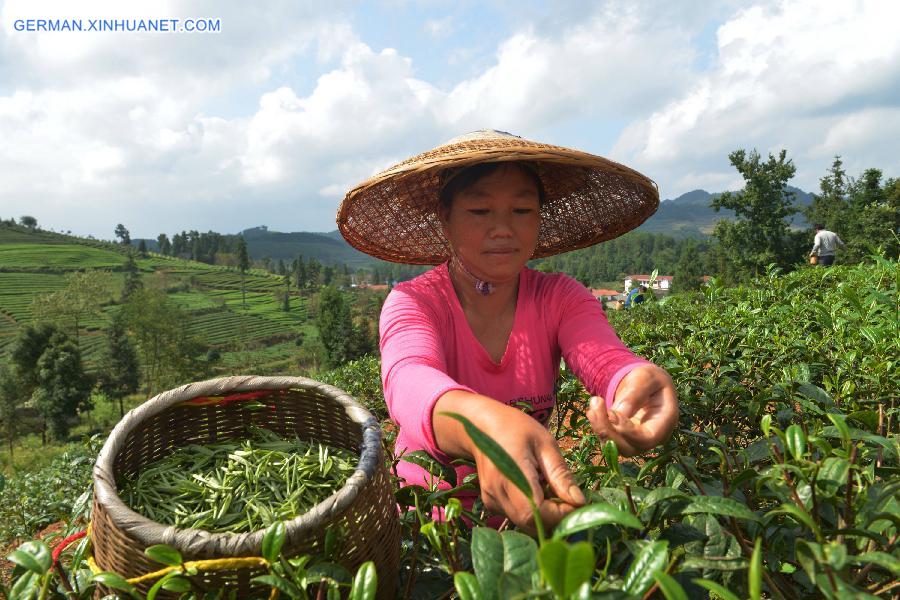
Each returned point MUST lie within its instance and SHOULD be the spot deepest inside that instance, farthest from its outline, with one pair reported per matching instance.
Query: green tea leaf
(552, 558)
(164, 554)
(652, 558)
(670, 588)
(273, 540)
(594, 515)
(882, 559)
(114, 581)
(365, 583)
(33, 555)
(754, 574)
(281, 584)
(487, 559)
(519, 554)
(717, 505)
(840, 423)
(497, 455)
(177, 584)
(467, 586)
(712, 586)
(579, 566)
(795, 439)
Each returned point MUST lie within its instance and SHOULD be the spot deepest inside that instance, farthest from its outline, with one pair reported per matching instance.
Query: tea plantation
(33, 264)
(782, 480)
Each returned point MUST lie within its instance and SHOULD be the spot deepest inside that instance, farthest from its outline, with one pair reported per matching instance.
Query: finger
(635, 390)
(600, 423)
(558, 475)
(553, 511)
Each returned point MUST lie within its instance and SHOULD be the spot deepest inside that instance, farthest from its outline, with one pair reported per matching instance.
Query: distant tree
(327, 275)
(81, 299)
(689, 269)
(335, 326)
(164, 245)
(243, 265)
(132, 281)
(10, 400)
(63, 387)
(300, 275)
(761, 234)
(27, 349)
(123, 235)
(313, 270)
(280, 269)
(829, 207)
(119, 373)
(29, 222)
(872, 218)
(286, 302)
(168, 354)
(142, 248)
(267, 263)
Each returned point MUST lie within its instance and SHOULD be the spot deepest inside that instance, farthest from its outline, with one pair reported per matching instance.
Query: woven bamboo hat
(588, 199)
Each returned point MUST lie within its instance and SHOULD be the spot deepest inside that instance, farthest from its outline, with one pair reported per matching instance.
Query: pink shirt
(428, 349)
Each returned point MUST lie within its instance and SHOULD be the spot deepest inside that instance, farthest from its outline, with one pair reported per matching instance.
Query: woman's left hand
(644, 414)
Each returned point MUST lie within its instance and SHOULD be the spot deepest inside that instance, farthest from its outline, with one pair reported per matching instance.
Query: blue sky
(272, 120)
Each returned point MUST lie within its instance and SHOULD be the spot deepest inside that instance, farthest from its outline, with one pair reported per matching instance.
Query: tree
(168, 354)
(82, 298)
(123, 235)
(132, 281)
(63, 388)
(243, 265)
(10, 399)
(872, 218)
(142, 248)
(313, 268)
(280, 268)
(29, 222)
(829, 207)
(119, 373)
(335, 327)
(165, 246)
(300, 274)
(761, 234)
(27, 349)
(286, 302)
(689, 269)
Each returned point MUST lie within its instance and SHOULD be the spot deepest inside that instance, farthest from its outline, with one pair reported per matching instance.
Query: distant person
(636, 296)
(824, 245)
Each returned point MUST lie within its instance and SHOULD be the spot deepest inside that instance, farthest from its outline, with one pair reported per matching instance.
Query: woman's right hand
(528, 442)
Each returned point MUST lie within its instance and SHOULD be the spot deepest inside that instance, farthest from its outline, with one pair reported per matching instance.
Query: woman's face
(493, 224)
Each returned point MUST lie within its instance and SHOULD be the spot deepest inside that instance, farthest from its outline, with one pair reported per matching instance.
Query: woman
(482, 335)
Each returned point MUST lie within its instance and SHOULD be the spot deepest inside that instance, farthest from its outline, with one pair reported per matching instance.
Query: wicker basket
(208, 411)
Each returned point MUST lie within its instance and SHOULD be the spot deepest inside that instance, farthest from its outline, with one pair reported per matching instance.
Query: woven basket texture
(589, 199)
(364, 509)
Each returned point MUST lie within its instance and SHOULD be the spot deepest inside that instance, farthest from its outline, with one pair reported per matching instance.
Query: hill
(260, 337)
(327, 248)
(690, 214)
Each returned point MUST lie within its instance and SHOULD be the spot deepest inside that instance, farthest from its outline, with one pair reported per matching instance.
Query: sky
(274, 117)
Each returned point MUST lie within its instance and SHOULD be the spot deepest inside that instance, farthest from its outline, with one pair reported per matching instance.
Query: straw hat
(588, 199)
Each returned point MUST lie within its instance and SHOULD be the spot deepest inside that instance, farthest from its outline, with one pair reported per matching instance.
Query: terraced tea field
(258, 334)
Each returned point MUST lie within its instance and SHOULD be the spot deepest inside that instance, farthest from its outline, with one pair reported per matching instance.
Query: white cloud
(120, 128)
(799, 75)
(439, 28)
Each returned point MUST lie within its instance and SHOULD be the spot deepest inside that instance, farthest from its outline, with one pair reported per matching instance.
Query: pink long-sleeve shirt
(428, 349)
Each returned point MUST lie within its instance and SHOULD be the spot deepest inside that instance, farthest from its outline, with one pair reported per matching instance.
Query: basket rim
(201, 542)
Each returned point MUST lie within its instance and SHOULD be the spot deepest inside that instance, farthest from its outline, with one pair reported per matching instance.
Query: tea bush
(781, 482)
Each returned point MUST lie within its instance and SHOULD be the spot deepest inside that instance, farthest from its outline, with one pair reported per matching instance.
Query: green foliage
(119, 373)
(32, 500)
(343, 338)
(761, 234)
(361, 378)
(63, 388)
(633, 253)
(10, 403)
